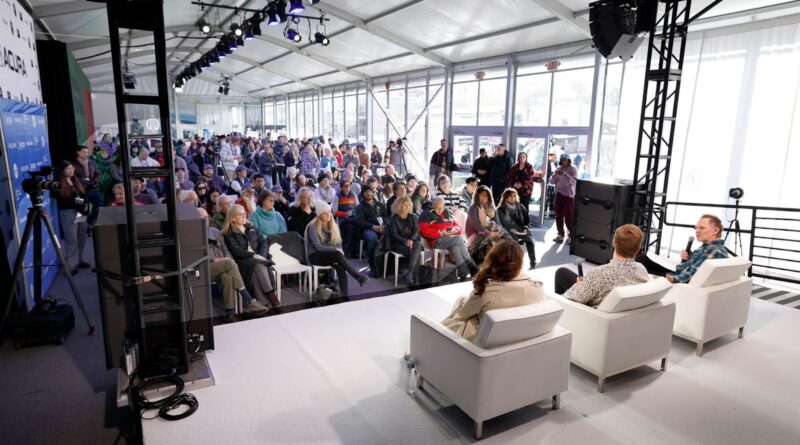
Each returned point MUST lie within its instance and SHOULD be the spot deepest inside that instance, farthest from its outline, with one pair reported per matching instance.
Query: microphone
(689, 245)
(579, 263)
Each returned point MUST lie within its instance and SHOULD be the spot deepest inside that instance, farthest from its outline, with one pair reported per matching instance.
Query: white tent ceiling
(368, 38)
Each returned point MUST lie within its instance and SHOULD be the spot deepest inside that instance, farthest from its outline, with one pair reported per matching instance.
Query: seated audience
(399, 191)
(119, 196)
(218, 218)
(442, 231)
(241, 181)
(325, 191)
(259, 183)
(248, 200)
(482, 216)
(469, 189)
(248, 247)
(301, 212)
(708, 231)
(265, 218)
(348, 176)
(324, 247)
(281, 203)
(188, 197)
(623, 270)
(368, 226)
(144, 159)
(211, 202)
(226, 271)
(389, 175)
(421, 198)
(201, 190)
(217, 182)
(452, 200)
(404, 238)
(512, 217)
(142, 193)
(181, 183)
(501, 283)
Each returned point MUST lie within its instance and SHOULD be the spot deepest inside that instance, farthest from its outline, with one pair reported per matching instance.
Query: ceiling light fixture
(236, 29)
(293, 35)
(322, 39)
(296, 6)
(204, 27)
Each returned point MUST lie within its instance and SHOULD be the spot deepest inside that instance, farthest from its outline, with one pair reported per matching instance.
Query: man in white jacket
(230, 155)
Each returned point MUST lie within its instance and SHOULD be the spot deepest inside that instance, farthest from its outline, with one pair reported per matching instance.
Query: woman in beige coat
(501, 283)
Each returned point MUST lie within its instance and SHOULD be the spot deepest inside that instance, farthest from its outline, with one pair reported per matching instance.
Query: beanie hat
(321, 207)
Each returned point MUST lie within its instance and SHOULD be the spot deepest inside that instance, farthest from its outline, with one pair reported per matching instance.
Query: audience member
(181, 183)
(511, 215)
(398, 191)
(623, 270)
(324, 247)
(301, 212)
(325, 191)
(188, 197)
(144, 159)
(86, 172)
(281, 203)
(218, 218)
(247, 200)
(216, 182)
(421, 198)
(442, 162)
(470, 185)
(521, 177)
(259, 183)
(119, 196)
(564, 179)
(499, 166)
(142, 193)
(404, 238)
(368, 221)
(241, 181)
(72, 208)
(442, 231)
(480, 167)
(453, 200)
(482, 217)
(265, 218)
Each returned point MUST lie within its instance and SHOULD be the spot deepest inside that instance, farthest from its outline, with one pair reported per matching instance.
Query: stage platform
(336, 375)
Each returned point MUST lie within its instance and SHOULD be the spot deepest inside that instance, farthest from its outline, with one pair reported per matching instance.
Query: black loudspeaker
(600, 207)
(617, 26)
(117, 302)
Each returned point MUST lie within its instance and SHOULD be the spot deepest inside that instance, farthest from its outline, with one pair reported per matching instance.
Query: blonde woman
(248, 247)
(404, 237)
(301, 212)
(324, 246)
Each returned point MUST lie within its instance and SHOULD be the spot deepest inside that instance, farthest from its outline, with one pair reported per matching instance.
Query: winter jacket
(431, 224)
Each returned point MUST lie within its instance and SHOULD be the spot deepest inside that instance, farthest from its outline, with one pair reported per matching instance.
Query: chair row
(521, 355)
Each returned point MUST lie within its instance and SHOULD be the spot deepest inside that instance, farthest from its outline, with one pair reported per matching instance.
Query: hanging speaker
(618, 26)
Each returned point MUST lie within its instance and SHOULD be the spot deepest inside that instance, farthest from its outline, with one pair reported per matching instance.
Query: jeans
(370, 238)
(412, 254)
(458, 247)
(74, 237)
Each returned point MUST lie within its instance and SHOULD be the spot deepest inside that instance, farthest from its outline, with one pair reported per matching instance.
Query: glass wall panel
(301, 120)
(397, 111)
(533, 100)
(572, 98)
(361, 115)
(493, 102)
(280, 112)
(379, 121)
(269, 115)
(338, 118)
(350, 118)
(465, 104)
(435, 123)
(327, 116)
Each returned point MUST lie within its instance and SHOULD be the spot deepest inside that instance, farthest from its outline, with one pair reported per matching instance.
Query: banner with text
(19, 66)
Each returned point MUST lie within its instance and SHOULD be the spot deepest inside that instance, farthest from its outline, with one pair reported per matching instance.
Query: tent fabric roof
(368, 38)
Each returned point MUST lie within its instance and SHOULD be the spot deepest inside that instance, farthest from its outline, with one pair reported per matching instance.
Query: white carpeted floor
(336, 375)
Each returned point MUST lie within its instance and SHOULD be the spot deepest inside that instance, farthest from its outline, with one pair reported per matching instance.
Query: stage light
(236, 29)
(280, 10)
(204, 27)
(231, 45)
(293, 35)
(255, 27)
(296, 6)
(203, 62)
(273, 17)
(227, 89)
(313, 2)
(240, 41)
(213, 57)
(221, 89)
(322, 39)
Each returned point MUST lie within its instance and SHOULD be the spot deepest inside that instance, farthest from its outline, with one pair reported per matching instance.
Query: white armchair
(715, 301)
(519, 357)
(630, 328)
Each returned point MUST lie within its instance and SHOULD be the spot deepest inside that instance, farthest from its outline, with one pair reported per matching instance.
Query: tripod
(36, 215)
(402, 167)
(736, 228)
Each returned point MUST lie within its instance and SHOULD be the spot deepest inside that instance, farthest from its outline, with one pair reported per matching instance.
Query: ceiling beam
(305, 53)
(131, 55)
(105, 40)
(71, 7)
(383, 33)
(270, 70)
(566, 15)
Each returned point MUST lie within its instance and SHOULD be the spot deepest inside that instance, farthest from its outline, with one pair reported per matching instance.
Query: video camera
(38, 182)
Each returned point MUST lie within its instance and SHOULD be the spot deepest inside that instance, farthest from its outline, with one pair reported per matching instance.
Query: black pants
(528, 241)
(340, 265)
(565, 278)
(652, 267)
(412, 254)
(526, 202)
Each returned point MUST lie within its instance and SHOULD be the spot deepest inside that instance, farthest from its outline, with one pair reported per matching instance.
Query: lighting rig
(276, 12)
(225, 85)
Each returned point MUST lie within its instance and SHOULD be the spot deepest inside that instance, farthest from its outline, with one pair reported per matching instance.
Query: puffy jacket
(431, 224)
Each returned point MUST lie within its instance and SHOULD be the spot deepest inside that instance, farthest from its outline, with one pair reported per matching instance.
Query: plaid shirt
(712, 250)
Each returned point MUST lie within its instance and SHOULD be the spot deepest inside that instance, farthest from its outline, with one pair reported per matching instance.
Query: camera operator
(87, 173)
(71, 201)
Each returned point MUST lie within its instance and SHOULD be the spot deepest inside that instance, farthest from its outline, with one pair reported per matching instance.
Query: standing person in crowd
(453, 200)
(142, 193)
(301, 212)
(241, 181)
(325, 191)
(158, 153)
(292, 156)
(216, 182)
(86, 172)
(247, 200)
(708, 231)
(226, 272)
(564, 179)
(501, 283)
(350, 157)
(470, 185)
(404, 238)
(480, 167)
(482, 217)
(421, 199)
(224, 203)
(442, 231)
(324, 247)
(119, 196)
(512, 217)
(521, 177)
(390, 154)
(375, 159)
(623, 270)
(104, 160)
(442, 162)
(338, 153)
(230, 154)
(265, 218)
(369, 220)
(181, 182)
(266, 165)
(248, 247)
(309, 162)
(399, 190)
(363, 156)
(202, 157)
(72, 204)
(259, 183)
(328, 160)
(281, 203)
(499, 166)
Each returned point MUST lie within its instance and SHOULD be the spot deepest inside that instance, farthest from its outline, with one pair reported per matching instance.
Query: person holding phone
(564, 179)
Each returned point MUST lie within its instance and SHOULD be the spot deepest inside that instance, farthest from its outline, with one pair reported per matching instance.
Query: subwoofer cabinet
(118, 302)
(600, 207)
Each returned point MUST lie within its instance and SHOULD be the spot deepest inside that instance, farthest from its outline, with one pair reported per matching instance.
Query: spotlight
(255, 26)
(240, 41)
(280, 10)
(213, 57)
(314, 2)
(248, 33)
(231, 44)
(222, 49)
(273, 17)
(203, 62)
(221, 89)
(321, 39)
(296, 6)
(226, 90)
(204, 27)
(293, 35)
(236, 29)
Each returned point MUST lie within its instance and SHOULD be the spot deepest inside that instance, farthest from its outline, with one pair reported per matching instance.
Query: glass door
(535, 146)
(467, 142)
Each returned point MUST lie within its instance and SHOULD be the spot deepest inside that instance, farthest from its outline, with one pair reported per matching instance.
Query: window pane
(362, 116)
(435, 123)
(493, 102)
(281, 113)
(350, 119)
(379, 121)
(572, 98)
(327, 111)
(269, 115)
(397, 110)
(338, 119)
(533, 100)
(465, 104)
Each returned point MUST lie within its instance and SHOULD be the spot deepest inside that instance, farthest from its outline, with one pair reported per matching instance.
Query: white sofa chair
(519, 356)
(715, 301)
(630, 328)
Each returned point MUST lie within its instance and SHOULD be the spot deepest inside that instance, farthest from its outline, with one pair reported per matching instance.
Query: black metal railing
(766, 244)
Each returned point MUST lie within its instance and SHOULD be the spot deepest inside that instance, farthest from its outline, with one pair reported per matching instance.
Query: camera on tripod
(736, 193)
(38, 182)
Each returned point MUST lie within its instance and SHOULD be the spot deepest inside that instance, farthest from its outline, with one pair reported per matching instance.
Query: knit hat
(321, 207)
(565, 156)
(277, 189)
(207, 166)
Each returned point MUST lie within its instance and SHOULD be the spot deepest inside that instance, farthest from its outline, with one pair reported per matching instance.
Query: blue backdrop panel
(27, 149)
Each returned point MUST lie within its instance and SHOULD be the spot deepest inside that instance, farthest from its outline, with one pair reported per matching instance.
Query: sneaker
(558, 239)
(255, 309)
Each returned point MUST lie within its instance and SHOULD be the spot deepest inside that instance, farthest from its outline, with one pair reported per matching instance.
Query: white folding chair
(287, 265)
(397, 257)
